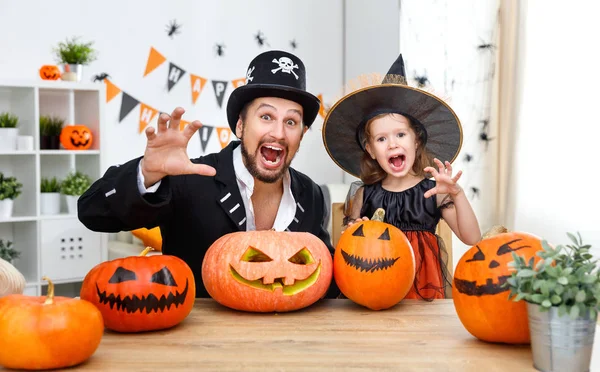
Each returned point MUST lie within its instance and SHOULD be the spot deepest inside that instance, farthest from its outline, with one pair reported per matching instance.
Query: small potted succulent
(75, 184)
(7, 252)
(50, 129)
(10, 189)
(8, 131)
(562, 292)
(72, 55)
(50, 196)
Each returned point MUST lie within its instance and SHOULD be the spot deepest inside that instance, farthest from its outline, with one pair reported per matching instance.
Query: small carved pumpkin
(267, 271)
(480, 296)
(47, 332)
(141, 293)
(76, 137)
(374, 264)
(50, 72)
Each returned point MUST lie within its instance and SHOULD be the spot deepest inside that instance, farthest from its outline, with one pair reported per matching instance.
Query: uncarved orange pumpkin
(480, 297)
(141, 293)
(267, 271)
(76, 137)
(374, 263)
(47, 332)
(50, 72)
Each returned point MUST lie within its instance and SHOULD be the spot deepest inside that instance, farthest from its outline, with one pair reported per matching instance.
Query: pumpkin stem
(145, 251)
(378, 215)
(50, 295)
(495, 230)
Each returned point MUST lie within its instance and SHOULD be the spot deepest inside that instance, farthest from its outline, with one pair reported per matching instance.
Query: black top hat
(274, 74)
(344, 123)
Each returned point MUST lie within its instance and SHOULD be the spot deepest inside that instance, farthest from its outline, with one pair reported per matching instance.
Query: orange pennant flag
(197, 86)
(155, 59)
(146, 115)
(111, 90)
(224, 136)
(182, 124)
(321, 106)
(238, 82)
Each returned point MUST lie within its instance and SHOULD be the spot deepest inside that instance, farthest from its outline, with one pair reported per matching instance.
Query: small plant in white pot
(73, 186)
(10, 189)
(72, 55)
(50, 128)
(562, 293)
(50, 196)
(8, 131)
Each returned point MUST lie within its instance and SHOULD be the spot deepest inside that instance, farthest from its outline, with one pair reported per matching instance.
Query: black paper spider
(219, 49)
(484, 123)
(100, 77)
(293, 44)
(474, 192)
(483, 136)
(260, 39)
(173, 28)
(468, 158)
(486, 46)
(421, 80)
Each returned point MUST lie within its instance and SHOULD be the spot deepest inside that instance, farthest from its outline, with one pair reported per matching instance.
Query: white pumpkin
(11, 280)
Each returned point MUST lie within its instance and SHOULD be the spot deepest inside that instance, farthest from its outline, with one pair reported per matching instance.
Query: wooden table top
(330, 335)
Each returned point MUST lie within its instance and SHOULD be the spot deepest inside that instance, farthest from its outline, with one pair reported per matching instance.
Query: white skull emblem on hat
(249, 73)
(285, 65)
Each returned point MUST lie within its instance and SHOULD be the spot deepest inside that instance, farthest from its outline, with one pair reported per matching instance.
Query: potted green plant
(10, 189)
(50, 128)
(8, 131)
(50, 196)
(7, 252)
(72, 55)
(562, 292)
(75, 184)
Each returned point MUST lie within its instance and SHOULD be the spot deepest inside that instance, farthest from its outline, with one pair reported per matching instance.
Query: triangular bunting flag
(197, 86)
(219, 87)
(146, 115)
(155, 59)
(238, 82)
(224, 136)
(321, 106)
(128, 103)
(111, 90)
(204, 133)
(182, 124)
(175, 74)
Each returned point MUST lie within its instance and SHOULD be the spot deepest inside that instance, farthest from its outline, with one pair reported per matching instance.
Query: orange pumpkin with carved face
(480, 296)
(76, 137)
(374, 263)
(267, 271)
(50, 72)
(141, 293)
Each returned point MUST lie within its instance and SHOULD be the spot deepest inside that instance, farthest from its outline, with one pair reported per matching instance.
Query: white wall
(559, 128)
(124, 31)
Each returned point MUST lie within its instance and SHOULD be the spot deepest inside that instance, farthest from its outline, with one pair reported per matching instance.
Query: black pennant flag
(128, 103)
(204, 133)
(175, 74)
(219, 87)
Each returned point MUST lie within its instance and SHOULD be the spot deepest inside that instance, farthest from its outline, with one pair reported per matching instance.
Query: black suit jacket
(192, 210)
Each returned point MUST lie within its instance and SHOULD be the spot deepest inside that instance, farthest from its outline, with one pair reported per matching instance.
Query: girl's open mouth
(397, 162)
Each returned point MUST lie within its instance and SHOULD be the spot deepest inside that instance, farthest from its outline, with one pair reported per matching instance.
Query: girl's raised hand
(445, 183)
(352, 222)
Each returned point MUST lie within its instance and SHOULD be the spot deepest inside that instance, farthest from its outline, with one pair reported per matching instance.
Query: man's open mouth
(272, 155)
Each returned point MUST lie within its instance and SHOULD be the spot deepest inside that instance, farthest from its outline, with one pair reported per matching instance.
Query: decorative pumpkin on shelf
(47, 332)
(267, 271)
(76, 137)
(374, 263)
(11, 279)
(480, 296)
(141, 293)
(50, 72)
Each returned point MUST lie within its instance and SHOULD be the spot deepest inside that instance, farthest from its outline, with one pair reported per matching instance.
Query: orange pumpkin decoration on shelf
(50, 72)
(47, 332)
(374, 263)
(267, 271)
(76, 137)
(141, 293)
(480, 296)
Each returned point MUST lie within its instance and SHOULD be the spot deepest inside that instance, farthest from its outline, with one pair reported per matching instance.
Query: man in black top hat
(249, 185)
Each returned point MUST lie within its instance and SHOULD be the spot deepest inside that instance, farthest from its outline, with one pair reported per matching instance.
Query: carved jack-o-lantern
(76, 137)
(480, 295)
(267, 271)
(50, 72)
(141, 293)
(374, 264)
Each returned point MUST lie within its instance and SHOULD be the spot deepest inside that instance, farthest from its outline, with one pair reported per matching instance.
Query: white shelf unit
(57, 246)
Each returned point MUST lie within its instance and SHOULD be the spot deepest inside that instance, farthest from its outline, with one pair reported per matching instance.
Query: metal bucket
(72, 72)
(560, 343)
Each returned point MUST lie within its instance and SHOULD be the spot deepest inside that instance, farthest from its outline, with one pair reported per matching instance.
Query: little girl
(390, 135)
